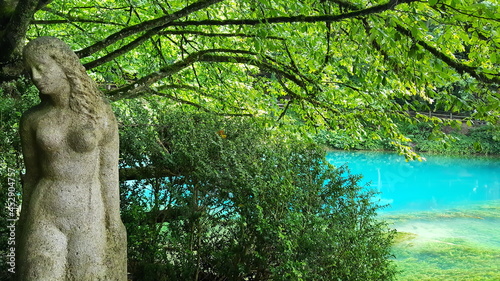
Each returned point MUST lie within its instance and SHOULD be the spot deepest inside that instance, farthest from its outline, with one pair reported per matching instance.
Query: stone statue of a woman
(70, 226)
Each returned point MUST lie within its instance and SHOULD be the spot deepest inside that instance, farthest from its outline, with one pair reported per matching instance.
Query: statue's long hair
(85, 97)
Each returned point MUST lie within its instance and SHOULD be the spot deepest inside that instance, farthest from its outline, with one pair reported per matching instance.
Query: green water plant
(465, 250)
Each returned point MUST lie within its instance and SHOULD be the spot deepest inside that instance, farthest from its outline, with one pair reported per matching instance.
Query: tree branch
(470, 14)
(279, 72)
(132, 45)
(141, 86)
(197, 90)
(126, 174)
(200, 107)
(160, 23)
(451, 62)
(300, 18)
(145, 26)
(169, 70)
(200, 33)
(47, 22)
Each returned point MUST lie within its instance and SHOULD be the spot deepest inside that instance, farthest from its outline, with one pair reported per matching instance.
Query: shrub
(245, 202)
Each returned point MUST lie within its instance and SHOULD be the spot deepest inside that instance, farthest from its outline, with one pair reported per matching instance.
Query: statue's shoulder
(32, 115)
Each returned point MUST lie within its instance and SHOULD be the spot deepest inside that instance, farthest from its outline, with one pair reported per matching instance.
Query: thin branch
(253, 61)
(200, 33)
(169, 70)
(48, 22)
(100, 8)
(69, 19)
(157, 45)
(469, 14)
(123, 50)
(292, 61)
(177, 99)
(292, 96)
(451, 62)
(197, 90)
(283, 113)
(200, 107)
(144, 26)
(279, 72)
(298, 19)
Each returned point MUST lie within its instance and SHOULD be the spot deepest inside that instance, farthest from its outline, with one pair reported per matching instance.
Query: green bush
(240, 201)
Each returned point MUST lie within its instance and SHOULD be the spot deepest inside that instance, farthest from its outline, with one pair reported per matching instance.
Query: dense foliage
(243, 202)
(359, 66)
(425, 137)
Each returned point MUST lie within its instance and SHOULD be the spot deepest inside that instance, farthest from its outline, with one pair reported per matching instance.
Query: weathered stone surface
(70, 226)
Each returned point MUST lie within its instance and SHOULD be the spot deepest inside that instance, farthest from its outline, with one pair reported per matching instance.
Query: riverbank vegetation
(456, 139)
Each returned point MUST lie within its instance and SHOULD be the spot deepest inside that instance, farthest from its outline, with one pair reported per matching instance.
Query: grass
(457, 244)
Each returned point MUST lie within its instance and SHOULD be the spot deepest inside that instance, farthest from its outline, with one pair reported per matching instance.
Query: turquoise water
(437, 183)
(446, 211)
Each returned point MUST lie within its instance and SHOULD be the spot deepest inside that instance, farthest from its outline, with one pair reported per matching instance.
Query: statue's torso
(68, 152)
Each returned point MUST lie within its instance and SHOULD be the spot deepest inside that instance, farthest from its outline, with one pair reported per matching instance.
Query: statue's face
(48, 76)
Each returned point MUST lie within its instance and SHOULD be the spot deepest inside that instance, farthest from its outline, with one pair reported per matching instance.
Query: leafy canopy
(357, 66)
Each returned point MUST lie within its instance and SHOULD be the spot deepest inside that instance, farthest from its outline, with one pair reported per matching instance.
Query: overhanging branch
(206, 34)
(198, 106)
(154, 26)
(459, 67)
(132, 45)
(242, 57)
(69, 19)
(145, 26)
(143, 83)
(232, 56)
(298, 19)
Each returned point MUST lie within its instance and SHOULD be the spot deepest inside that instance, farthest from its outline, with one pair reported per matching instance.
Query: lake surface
(437, 183)
(446, 211)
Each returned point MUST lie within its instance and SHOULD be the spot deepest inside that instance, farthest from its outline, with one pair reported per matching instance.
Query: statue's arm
(108, 171)
(28, 144)
(116, 244)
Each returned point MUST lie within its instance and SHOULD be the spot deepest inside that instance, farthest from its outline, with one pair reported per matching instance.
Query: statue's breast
(50, 138)
(53, 137)
(82, 138)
